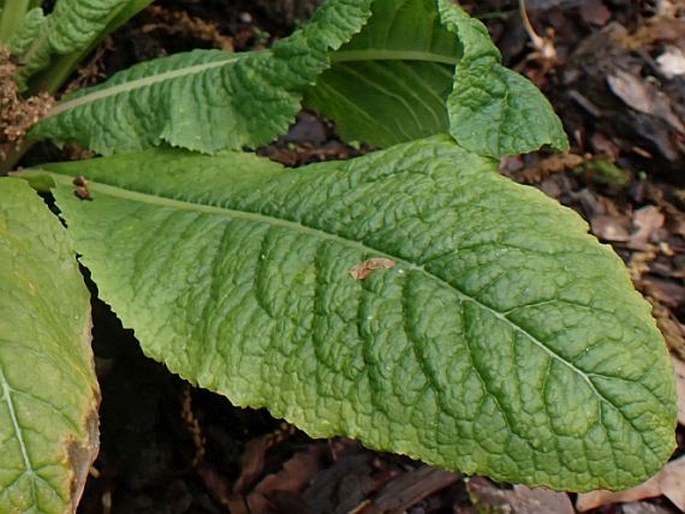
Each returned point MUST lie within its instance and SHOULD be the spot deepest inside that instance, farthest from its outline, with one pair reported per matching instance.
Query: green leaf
(397, 81)
(504, 340)
(389, 84)
(48, 390)
(28, 31)
(493, 111)
(206, 100)
(11, 16)
(72, 26)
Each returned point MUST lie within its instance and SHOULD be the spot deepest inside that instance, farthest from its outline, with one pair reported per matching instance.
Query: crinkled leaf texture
(504, 340)
(416, 70)
(494, 111)
(48, 390)
(206, 100)
(71, 27)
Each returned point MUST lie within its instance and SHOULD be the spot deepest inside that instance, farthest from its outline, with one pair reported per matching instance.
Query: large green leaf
(48, 391)
(505, 340)
(206, 100)
(415, 71)
(389, 84)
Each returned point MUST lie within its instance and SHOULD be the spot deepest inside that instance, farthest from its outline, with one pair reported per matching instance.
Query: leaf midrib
(150, 80)
(386, 54)
(6, 390)
(162, 201)
(140, 83)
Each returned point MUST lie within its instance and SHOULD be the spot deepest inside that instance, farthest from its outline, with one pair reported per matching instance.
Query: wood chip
(408, 489)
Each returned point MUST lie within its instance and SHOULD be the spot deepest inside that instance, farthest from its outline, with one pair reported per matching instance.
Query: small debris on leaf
(80, 181)
(81, 190)
(83, 193)
(363, 270)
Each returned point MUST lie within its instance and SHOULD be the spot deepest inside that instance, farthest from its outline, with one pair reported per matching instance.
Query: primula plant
(411, 298)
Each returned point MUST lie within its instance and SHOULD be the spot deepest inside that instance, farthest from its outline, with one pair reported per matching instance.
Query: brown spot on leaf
(81, 454)
(363, 270)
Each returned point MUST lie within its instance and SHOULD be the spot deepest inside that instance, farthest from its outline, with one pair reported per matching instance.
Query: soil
(167, 447)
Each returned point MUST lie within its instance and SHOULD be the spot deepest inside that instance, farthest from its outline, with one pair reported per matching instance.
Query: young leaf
(71, 27)
(206, 100)
(389, 84)
(397, 81)
(412, 298)
(11, 16)
(28, 31)
(48, 390)
(493, 111)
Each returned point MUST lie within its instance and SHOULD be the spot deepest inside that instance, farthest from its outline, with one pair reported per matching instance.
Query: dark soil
(167, 447)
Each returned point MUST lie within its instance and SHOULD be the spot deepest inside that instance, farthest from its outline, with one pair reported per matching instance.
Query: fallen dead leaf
(670, 482)
(254, 456)
(342, 486)
(642, 96)
(595, 12)
(647, 221)
(673, 482)
(670, 327)
(610, 228)
(520, 500)
(644, 508)
(252, 464)
(539, 170)
(363, 270)
(640, 261)
(295, 475)
(406, 490)
(667, 292)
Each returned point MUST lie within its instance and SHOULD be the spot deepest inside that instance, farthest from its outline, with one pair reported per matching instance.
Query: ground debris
(519, 500)
(609, 87)
(406, 490)
(670, 482)
(647, 222)
(17, 115)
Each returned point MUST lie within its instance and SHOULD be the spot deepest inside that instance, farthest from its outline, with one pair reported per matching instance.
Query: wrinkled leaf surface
(502, 340)
(206, 100)
(493, 110)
